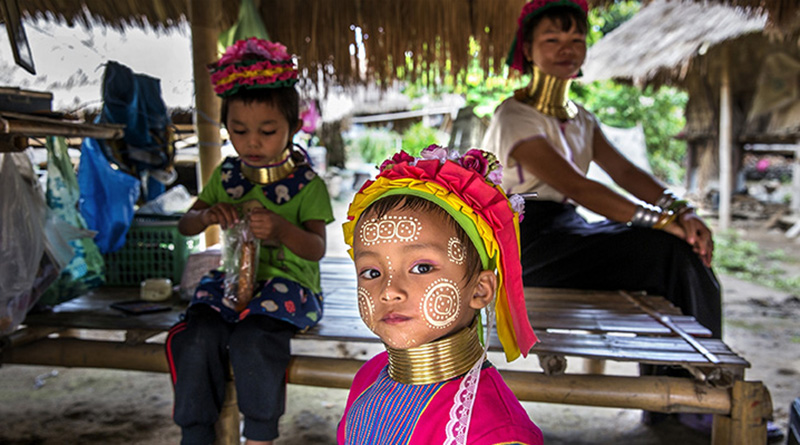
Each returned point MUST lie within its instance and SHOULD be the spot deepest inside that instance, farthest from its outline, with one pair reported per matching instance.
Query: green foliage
(605, 20)
(417, 137)
(373, 145)
(745, 260)
(660, 113)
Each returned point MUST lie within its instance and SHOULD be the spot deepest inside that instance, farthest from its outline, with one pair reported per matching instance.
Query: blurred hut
(343, 42)
(729, 62)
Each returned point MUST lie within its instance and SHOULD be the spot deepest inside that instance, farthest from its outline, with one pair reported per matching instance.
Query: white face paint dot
(366, 307)
(440, 306)
(390, 229)
(455, 251)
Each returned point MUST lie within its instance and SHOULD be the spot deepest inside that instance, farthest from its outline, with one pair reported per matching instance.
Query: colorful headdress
(466, 187)
(252, 63)
(516, 56)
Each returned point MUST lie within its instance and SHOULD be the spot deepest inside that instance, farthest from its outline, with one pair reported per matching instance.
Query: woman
(547, 143)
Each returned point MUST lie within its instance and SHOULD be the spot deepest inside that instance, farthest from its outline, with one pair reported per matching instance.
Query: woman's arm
(542, 160)
(647, 188)
(625, 173)
(539, 158)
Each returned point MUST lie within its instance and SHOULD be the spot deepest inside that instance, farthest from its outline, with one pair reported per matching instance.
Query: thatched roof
(435, 33)
(657, 45)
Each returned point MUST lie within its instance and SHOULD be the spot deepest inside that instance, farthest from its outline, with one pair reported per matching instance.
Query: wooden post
(227, 426)
(795, 205)
(751, 406)
(725, 135)
(204, 17)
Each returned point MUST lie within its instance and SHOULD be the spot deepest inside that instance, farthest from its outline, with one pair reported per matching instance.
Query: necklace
(548, 94)
(436, 361)
(272, 172)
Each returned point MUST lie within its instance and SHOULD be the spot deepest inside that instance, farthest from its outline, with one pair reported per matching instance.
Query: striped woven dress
(382, 411)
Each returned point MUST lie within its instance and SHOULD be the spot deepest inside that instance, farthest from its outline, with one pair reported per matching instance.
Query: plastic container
(153, 249)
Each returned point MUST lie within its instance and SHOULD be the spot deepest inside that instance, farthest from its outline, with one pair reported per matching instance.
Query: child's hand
(222, 213)
(266, 224)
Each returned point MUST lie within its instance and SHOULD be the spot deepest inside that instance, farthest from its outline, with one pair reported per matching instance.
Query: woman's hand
(222, 213)
(698, 235)
(675, 229)
(266, 224)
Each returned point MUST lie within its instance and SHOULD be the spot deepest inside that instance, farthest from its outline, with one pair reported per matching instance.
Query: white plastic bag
(22, 241)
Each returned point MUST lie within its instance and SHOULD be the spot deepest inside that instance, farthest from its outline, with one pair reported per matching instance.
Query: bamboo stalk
(41, 129)
(204, 16)
(663, 394)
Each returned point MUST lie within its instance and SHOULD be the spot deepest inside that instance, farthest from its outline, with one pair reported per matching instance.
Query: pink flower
(253, 46)
(310, 117)
(434, 151)
(518, 205)
(397, 158)
(496, 175)
(475, 161)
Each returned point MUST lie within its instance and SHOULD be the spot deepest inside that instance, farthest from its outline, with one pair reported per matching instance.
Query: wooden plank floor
(589, 324)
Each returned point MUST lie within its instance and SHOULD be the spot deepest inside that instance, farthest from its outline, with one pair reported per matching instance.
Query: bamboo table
(595, 325)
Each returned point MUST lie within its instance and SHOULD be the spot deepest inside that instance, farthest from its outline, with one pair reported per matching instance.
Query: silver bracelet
(646, 215)
(667, 198)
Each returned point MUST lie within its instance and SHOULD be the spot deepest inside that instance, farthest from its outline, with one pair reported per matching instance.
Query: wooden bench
(592, 325)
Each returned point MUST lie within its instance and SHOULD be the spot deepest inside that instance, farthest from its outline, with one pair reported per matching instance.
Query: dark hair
(285, 99)
(414, 203)
(566, 16)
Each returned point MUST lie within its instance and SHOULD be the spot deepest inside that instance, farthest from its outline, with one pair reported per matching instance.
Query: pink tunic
(382, 411)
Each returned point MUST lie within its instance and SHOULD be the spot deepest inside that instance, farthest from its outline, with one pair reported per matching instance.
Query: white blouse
(515, 122)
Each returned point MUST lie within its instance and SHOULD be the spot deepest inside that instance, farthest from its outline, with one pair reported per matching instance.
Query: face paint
(440, 306)
(390, 229)
(455, 251)
(366, 307)
(389, 280)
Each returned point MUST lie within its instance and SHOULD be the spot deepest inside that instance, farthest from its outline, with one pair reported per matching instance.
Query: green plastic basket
(153, 249)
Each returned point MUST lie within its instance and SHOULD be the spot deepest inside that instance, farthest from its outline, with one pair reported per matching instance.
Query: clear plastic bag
(22, 219)
(240, 256)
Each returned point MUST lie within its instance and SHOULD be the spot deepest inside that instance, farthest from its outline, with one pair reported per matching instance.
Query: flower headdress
(466, 187)
(516, 56)
(252, 63)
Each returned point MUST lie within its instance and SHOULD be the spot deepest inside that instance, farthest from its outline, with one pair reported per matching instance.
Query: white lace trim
(461, 411)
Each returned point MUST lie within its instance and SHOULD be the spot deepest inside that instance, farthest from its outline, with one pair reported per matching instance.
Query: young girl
(287, 210)
(426, 238)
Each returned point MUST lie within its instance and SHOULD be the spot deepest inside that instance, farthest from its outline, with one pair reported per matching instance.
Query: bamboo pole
(34, 128)
(204, 17)
(77, 353)
(652, 393)
(725, 135)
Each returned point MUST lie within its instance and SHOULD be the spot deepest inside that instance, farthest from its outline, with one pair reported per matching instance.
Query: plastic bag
(107, 197)
(65, 230)
(22, 217)
(240, 256)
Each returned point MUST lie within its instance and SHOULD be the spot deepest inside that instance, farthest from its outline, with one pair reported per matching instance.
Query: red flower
(397, 158)
(289, 305)
(475, 161)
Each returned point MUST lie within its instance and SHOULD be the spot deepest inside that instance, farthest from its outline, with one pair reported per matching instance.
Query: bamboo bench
(592, 325)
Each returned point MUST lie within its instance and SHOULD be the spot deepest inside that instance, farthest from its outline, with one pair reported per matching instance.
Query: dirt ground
(49, 406)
